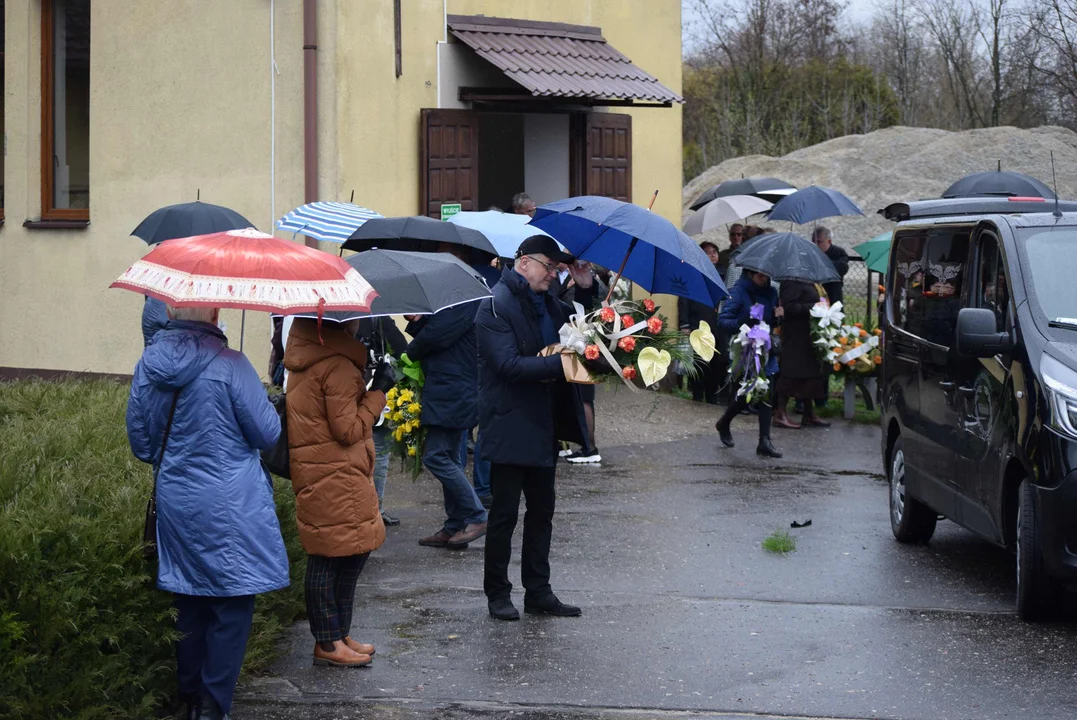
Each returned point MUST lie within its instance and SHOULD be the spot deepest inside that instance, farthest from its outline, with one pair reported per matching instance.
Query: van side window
(906, 308)
(944, 275)
(992, 291)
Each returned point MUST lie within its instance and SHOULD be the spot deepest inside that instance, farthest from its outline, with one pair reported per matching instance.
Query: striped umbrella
(327, 221)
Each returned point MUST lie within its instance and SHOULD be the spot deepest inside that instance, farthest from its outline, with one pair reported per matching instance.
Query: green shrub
(84, 633)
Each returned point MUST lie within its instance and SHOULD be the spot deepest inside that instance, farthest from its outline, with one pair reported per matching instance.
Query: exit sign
(447, 211)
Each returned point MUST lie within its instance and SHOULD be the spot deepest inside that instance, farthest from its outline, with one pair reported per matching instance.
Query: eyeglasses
(550, 267)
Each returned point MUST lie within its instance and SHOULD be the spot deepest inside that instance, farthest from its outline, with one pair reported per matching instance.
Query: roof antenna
(198, 195)
(1000, 165)
(1057, 213)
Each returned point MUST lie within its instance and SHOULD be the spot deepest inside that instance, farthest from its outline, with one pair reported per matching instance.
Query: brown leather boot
(439, 539)
(341, 656)
(361, 648)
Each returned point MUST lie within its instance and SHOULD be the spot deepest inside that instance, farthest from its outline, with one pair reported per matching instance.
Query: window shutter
(449, 160)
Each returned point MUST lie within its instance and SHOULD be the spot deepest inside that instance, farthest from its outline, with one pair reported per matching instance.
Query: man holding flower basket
(525, 407)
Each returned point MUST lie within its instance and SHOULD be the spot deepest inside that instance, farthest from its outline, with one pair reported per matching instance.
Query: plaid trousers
(330, 593)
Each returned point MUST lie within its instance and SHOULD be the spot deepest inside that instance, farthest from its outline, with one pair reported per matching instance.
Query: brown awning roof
(558, 60)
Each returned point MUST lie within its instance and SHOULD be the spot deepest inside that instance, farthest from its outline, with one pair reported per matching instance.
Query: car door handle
(967, 391)
(946, 385)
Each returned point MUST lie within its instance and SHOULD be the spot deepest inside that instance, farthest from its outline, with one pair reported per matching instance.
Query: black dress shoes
(503, 609)
(550, 605)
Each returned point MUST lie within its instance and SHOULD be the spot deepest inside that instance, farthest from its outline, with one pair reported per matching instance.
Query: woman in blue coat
(218, 540)
(753, 288)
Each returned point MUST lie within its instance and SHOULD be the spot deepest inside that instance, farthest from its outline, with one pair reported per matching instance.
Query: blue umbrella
(326, 221)
(813, 203)
(651, 251)
(505, 231)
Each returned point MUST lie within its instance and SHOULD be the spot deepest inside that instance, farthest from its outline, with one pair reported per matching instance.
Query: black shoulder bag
(149, 532)
(277, 458)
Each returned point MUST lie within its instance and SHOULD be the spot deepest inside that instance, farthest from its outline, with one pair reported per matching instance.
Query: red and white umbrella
(247, 270)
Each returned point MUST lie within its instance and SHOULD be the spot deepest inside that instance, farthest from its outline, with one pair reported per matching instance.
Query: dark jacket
(444, 344)
(690, 312)
(737, 310)
(154, 318)
(835, 291)
(525, 404)
(798, 360)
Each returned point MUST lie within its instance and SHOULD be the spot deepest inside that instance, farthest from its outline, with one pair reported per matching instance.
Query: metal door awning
(555, 60)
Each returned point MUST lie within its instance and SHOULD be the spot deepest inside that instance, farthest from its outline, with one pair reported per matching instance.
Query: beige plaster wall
(180, 102)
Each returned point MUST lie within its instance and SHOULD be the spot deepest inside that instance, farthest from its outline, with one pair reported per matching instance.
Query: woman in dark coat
(801, 372)
(753, 288)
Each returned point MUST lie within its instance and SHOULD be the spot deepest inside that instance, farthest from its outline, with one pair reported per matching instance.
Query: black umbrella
(1004, 184)
(745, 186)
(417, 234)
(412, 283)
(188, 219)
(785, 256)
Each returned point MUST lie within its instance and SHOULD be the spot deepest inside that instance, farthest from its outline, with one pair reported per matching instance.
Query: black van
(979, 381)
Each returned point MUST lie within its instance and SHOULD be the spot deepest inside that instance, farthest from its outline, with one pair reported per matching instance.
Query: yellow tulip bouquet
(403, 409)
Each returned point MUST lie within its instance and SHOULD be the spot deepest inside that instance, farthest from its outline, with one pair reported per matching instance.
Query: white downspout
(441, 43)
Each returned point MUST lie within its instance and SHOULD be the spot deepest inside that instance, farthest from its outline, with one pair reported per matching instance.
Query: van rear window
(929, 274)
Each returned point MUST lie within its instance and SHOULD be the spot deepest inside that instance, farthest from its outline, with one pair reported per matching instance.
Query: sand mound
(902, 163)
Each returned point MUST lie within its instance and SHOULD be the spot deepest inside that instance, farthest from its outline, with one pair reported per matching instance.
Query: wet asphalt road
(684, 614)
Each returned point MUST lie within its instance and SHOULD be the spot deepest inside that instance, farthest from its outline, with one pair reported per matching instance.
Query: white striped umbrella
(327, 221)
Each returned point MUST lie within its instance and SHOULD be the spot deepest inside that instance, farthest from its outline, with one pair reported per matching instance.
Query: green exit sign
(447, 211)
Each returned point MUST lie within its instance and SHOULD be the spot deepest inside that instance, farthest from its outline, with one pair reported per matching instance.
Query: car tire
(911, 520)
(1037, 592)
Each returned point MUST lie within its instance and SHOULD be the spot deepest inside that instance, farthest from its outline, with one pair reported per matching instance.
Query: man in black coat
(824, 240)
(525, 407)
(444, 345)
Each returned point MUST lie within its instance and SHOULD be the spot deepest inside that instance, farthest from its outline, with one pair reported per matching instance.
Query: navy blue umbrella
(650, 250)
(1003, 183)
(813, 203)
(188, 219)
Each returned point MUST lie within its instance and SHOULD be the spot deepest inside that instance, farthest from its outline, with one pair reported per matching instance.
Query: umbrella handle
(624, 262)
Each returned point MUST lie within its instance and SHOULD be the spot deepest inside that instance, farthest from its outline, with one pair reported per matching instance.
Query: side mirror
(978, 335)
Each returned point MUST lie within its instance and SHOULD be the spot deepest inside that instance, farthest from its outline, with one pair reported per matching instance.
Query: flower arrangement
(631, 341)
(749, 352)
(847, 348)
(403, 409)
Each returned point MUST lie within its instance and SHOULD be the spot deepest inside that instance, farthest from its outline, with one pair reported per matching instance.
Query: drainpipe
(310, 105)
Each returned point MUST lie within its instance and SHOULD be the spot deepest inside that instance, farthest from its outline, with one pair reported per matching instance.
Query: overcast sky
(855, 10)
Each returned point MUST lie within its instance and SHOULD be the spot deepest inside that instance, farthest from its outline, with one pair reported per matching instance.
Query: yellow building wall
(181, 103)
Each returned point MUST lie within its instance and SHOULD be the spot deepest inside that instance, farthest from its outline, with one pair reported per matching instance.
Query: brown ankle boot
(341, 656)
(361, 648)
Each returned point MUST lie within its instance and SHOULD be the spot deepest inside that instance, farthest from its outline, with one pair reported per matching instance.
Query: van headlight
(1061, 384)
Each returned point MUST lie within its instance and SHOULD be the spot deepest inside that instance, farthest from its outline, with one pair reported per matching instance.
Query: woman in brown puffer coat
(330, 418)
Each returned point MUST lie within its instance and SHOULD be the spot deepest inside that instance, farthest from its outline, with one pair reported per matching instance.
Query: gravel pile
(898, 164)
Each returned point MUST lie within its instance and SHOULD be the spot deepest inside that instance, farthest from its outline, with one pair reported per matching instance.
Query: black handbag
(277, 459)
(149, 531)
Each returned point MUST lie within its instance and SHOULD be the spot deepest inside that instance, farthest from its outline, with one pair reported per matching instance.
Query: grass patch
(84, 633)
(780, 542)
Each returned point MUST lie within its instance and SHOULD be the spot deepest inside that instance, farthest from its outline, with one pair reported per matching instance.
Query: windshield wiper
(1062, 322)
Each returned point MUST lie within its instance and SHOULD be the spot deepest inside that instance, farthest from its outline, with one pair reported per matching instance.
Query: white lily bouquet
(846, 348)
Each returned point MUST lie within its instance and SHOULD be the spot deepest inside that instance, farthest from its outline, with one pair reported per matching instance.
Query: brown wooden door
(449, 160)
(608, 155)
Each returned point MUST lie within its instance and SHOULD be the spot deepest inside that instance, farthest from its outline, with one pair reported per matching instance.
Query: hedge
(84, 633)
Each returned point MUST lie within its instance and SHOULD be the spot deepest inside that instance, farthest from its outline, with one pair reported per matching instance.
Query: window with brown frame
(65, 109)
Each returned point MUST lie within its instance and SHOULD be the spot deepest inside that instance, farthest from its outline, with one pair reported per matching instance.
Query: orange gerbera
(654, 325)
(591, 352)
(607, 314)
(627, 320)
(628, 344)
(629, 373)
(648, 305)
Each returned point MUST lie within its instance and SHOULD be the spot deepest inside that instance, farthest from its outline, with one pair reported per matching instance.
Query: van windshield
(1051, 253)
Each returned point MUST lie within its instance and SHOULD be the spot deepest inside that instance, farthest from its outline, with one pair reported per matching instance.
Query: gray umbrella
(418, 233)
(785, 256)
(412, 283)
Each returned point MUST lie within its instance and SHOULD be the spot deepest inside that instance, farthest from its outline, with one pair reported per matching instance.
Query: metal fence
(861, 292)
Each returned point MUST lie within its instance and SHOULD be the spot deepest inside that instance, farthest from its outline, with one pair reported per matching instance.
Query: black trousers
(329, 588)
(508, 482)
